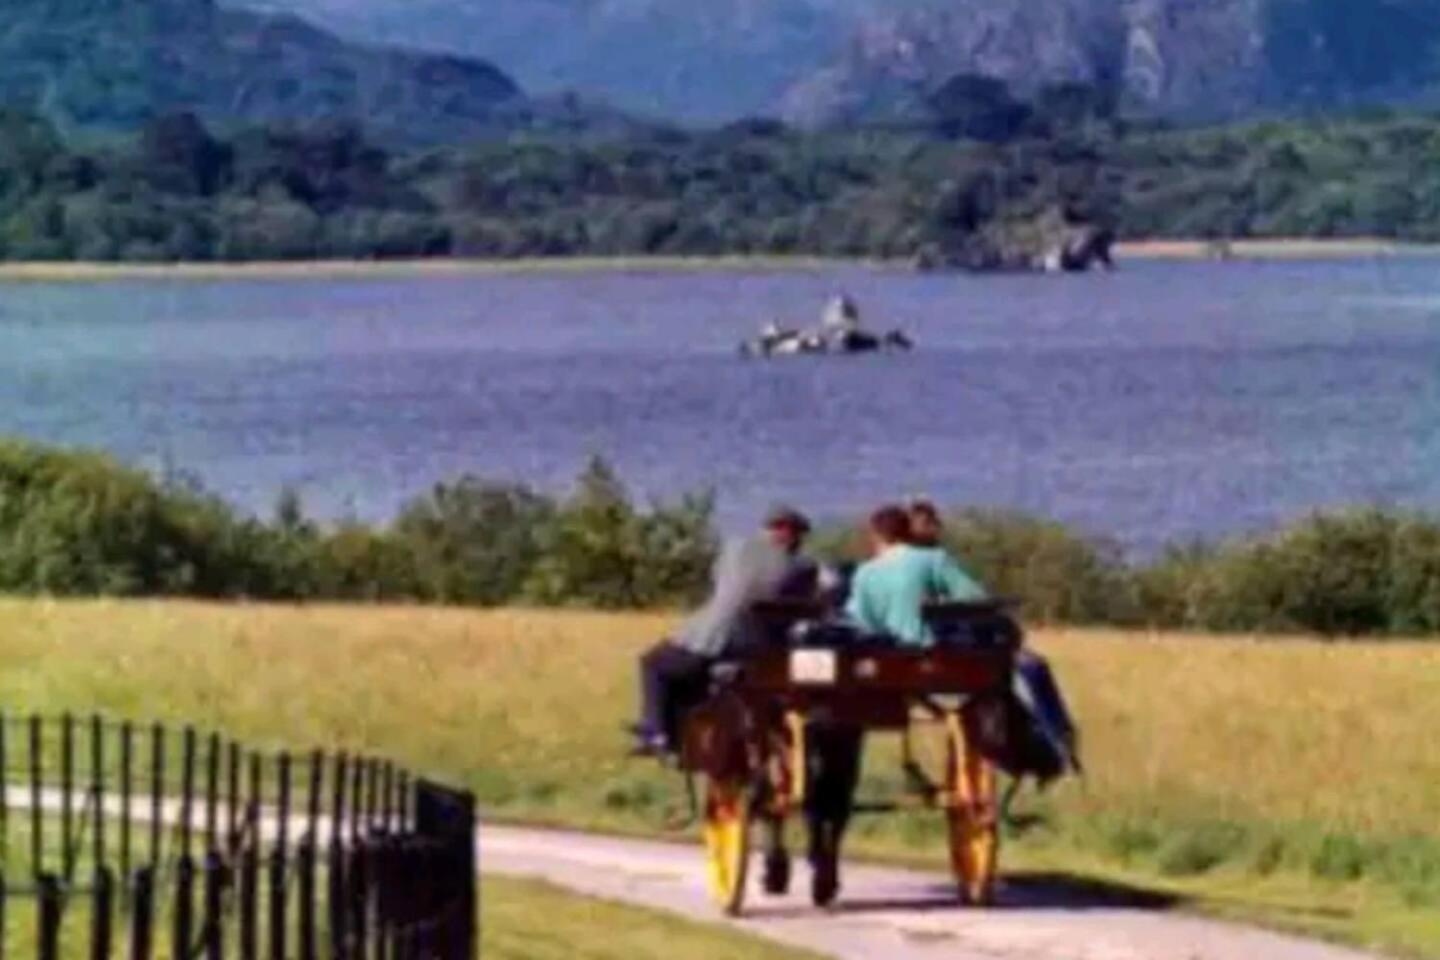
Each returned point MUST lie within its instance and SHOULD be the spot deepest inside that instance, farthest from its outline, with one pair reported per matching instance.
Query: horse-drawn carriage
(751, 739)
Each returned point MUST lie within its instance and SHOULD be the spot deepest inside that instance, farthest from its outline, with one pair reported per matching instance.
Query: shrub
(1331, 574)
(472, 541)
(600, 551)
(1060, 575)
(74, 523)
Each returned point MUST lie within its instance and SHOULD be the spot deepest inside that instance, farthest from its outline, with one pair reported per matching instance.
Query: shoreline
(1281, 249)
(436, 267)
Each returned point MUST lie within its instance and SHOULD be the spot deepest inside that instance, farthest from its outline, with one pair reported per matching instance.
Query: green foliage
(474, 542)
(601, 552)
(79, 524)
(1061, 576)
(178, 191)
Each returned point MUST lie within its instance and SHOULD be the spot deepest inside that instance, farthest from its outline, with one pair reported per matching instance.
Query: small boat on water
(839, 333)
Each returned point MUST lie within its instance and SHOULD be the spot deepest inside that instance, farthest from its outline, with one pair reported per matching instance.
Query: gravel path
(887, 913)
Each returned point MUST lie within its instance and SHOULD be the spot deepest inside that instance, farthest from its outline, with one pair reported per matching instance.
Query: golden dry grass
(1338, 735)
(1277, 248)
(1277, 776)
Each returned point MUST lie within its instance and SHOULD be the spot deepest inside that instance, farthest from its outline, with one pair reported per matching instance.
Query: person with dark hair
(765, 567)
(1048, 734)
(890, 590)
(926, 527)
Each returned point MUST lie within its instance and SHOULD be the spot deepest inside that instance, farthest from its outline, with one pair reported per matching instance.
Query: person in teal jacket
(889, 592)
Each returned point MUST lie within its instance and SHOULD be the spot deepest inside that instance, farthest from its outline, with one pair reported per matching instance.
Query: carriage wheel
(727, 843)
(972, 812)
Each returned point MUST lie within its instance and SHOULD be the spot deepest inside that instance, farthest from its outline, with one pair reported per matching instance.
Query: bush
(73, 523)
(1062, 577)
(474, 542)
(81, 524)
(1335, 575)
(601, 552)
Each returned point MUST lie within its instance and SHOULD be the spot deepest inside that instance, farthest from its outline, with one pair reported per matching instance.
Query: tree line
(984, 168)
(80, 524)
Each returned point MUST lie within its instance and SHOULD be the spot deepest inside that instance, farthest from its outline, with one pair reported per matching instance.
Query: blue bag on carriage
(1039, 694)
(1027, 731)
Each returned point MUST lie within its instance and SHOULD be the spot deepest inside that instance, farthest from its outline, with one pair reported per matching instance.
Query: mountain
(818, 61)
(702, 61)
(1181, 59)
(110, 65)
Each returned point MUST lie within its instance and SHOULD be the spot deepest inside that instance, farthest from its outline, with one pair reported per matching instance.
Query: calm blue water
(1159, 402)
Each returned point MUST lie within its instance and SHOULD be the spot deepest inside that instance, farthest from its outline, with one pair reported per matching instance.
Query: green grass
(525, 920)
(520, 920)
(1292, 782)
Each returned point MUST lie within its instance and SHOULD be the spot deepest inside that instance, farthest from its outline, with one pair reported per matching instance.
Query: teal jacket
(889, 593)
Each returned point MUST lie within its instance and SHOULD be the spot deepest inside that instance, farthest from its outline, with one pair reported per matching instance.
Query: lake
(1167, 400)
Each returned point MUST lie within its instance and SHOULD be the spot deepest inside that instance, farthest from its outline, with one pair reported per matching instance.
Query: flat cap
(782, 515)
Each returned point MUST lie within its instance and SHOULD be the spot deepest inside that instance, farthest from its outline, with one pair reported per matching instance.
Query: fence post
(358, 893)
(357, 796)
(313, 797)
(187, 792)
(142, 914)
(249, 901)
(335, 902)
(127, 759)
(37, 829)
(306, 884)
(253, 800)
(282, 823)
(4, 800)
(157, 790)
(212, 791)
(278, 860)
(214, 928)
(232, 802)
(48, 936)
(182, 934)
(445, 820)
(101, 918)
(67, 800)
(97, 787)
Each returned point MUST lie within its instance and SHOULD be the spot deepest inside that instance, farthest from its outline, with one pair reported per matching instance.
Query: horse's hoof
(776, 881)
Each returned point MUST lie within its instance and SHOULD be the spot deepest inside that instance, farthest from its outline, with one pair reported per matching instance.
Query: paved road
(888, 913)
(884, 913)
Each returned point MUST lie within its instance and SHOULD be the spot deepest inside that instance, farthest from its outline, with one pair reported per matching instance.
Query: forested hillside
(180, 191)
(99, 67)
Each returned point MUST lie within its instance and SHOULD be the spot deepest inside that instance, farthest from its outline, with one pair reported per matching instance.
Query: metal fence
(119, 840)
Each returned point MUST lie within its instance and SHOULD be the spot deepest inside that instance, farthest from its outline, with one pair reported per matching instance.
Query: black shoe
(825, 881)
(777, 873)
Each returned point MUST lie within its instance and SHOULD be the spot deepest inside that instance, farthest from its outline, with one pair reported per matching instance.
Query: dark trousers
(672, 680)
(834, 774)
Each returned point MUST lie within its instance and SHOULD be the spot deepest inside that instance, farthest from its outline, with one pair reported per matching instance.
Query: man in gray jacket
(764, 567)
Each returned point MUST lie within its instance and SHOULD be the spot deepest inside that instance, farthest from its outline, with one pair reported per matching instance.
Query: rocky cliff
(1184, 59)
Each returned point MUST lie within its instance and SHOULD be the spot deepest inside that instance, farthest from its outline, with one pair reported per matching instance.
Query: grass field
(1284, 780)
(532, 921)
